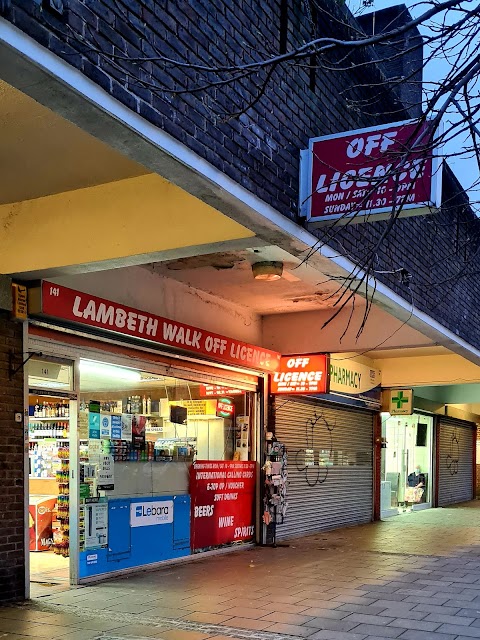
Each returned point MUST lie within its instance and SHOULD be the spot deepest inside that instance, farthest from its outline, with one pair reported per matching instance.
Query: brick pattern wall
(408, 65)
(12, 547)
(260, 148)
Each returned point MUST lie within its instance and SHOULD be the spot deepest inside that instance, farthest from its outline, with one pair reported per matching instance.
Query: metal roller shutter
(325, 497)
(455, 463)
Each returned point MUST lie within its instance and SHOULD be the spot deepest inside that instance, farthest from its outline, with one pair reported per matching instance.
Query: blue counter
(141, 531)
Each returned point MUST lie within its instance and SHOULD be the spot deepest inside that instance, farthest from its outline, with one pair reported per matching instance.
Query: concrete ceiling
(228, 275)
(43, 154)
(406, 352)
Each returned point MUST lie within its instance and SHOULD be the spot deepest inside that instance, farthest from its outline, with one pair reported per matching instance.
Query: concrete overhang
(55, 84)
(70, 203)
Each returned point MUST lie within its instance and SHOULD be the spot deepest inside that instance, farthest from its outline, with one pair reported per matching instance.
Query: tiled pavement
(415, 577)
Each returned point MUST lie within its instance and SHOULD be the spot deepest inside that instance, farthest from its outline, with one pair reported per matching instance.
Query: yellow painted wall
(125, 218)
(427, 370)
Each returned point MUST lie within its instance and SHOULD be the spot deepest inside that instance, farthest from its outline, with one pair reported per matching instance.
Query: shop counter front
(126, 533)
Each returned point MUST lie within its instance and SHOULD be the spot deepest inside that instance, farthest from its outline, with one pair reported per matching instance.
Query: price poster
(95, 523)
(222, 502)
(105, 473)
(116, 427)
(94, 420)
(127, 427)
(105, 427)
(83, 425)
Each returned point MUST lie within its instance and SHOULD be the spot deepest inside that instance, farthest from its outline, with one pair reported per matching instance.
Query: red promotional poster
(306, 373)
(367, 171)
(138, 431)
(40, 512)
(56, 301)
(223, 502)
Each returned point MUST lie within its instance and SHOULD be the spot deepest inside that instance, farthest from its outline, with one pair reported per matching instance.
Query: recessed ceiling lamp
(267, 270)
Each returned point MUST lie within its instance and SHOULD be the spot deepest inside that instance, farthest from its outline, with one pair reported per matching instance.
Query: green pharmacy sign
(401, 402)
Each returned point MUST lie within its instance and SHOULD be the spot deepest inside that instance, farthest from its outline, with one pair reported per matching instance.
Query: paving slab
(414, 577)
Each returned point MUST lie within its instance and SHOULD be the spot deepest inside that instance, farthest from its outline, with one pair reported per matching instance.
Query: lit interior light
(268, 271)
(109, 371)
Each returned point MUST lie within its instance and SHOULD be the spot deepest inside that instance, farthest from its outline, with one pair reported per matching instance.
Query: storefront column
(474, 464)
(377, 464)
(12, 518)
(436, 436)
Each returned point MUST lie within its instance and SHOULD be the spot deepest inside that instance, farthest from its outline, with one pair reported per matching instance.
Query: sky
(466, 169)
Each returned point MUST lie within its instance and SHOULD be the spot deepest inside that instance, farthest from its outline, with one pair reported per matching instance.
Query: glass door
(406, 482)
(51, 412)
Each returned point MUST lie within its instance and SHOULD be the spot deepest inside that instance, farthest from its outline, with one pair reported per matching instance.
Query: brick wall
(12, 549)
(260, 148)
(408, 65)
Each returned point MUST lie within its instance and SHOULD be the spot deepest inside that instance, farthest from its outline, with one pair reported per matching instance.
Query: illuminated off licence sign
(301, 374)
(360, 175)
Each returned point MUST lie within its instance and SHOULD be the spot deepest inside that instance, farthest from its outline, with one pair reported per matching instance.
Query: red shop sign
(55, 301)
(301, 374)
(222, 496)
(360, 175)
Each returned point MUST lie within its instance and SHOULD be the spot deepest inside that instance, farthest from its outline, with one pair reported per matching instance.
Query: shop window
(147, 417)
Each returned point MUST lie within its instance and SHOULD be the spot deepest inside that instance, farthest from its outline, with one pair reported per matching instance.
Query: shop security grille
(330, 469)
(455, 464)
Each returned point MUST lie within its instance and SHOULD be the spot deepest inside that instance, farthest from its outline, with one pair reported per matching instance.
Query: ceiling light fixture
(109, 371)
(268, 271)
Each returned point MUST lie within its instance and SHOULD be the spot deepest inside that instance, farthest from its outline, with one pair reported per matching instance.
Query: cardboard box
(40, 522)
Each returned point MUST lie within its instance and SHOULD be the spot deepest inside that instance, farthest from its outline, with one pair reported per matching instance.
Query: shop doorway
(50, 417)
(406, 464)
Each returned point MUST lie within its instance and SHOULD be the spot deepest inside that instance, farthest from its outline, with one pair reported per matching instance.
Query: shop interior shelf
(56, 419)
(50, 438)
(176, 439)
(117, 413)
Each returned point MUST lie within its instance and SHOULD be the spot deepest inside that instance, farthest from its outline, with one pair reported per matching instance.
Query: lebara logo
(143, 514)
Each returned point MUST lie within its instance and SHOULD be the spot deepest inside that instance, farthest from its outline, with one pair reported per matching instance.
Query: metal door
(455, 461)
(330, 465)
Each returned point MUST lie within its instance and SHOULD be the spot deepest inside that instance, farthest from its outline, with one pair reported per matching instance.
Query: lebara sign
(360, 175)
(145, 514)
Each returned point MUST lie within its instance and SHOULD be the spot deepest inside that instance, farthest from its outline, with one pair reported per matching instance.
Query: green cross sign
(399, 400)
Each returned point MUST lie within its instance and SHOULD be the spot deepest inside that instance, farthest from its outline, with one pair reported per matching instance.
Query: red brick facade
(12, 546)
